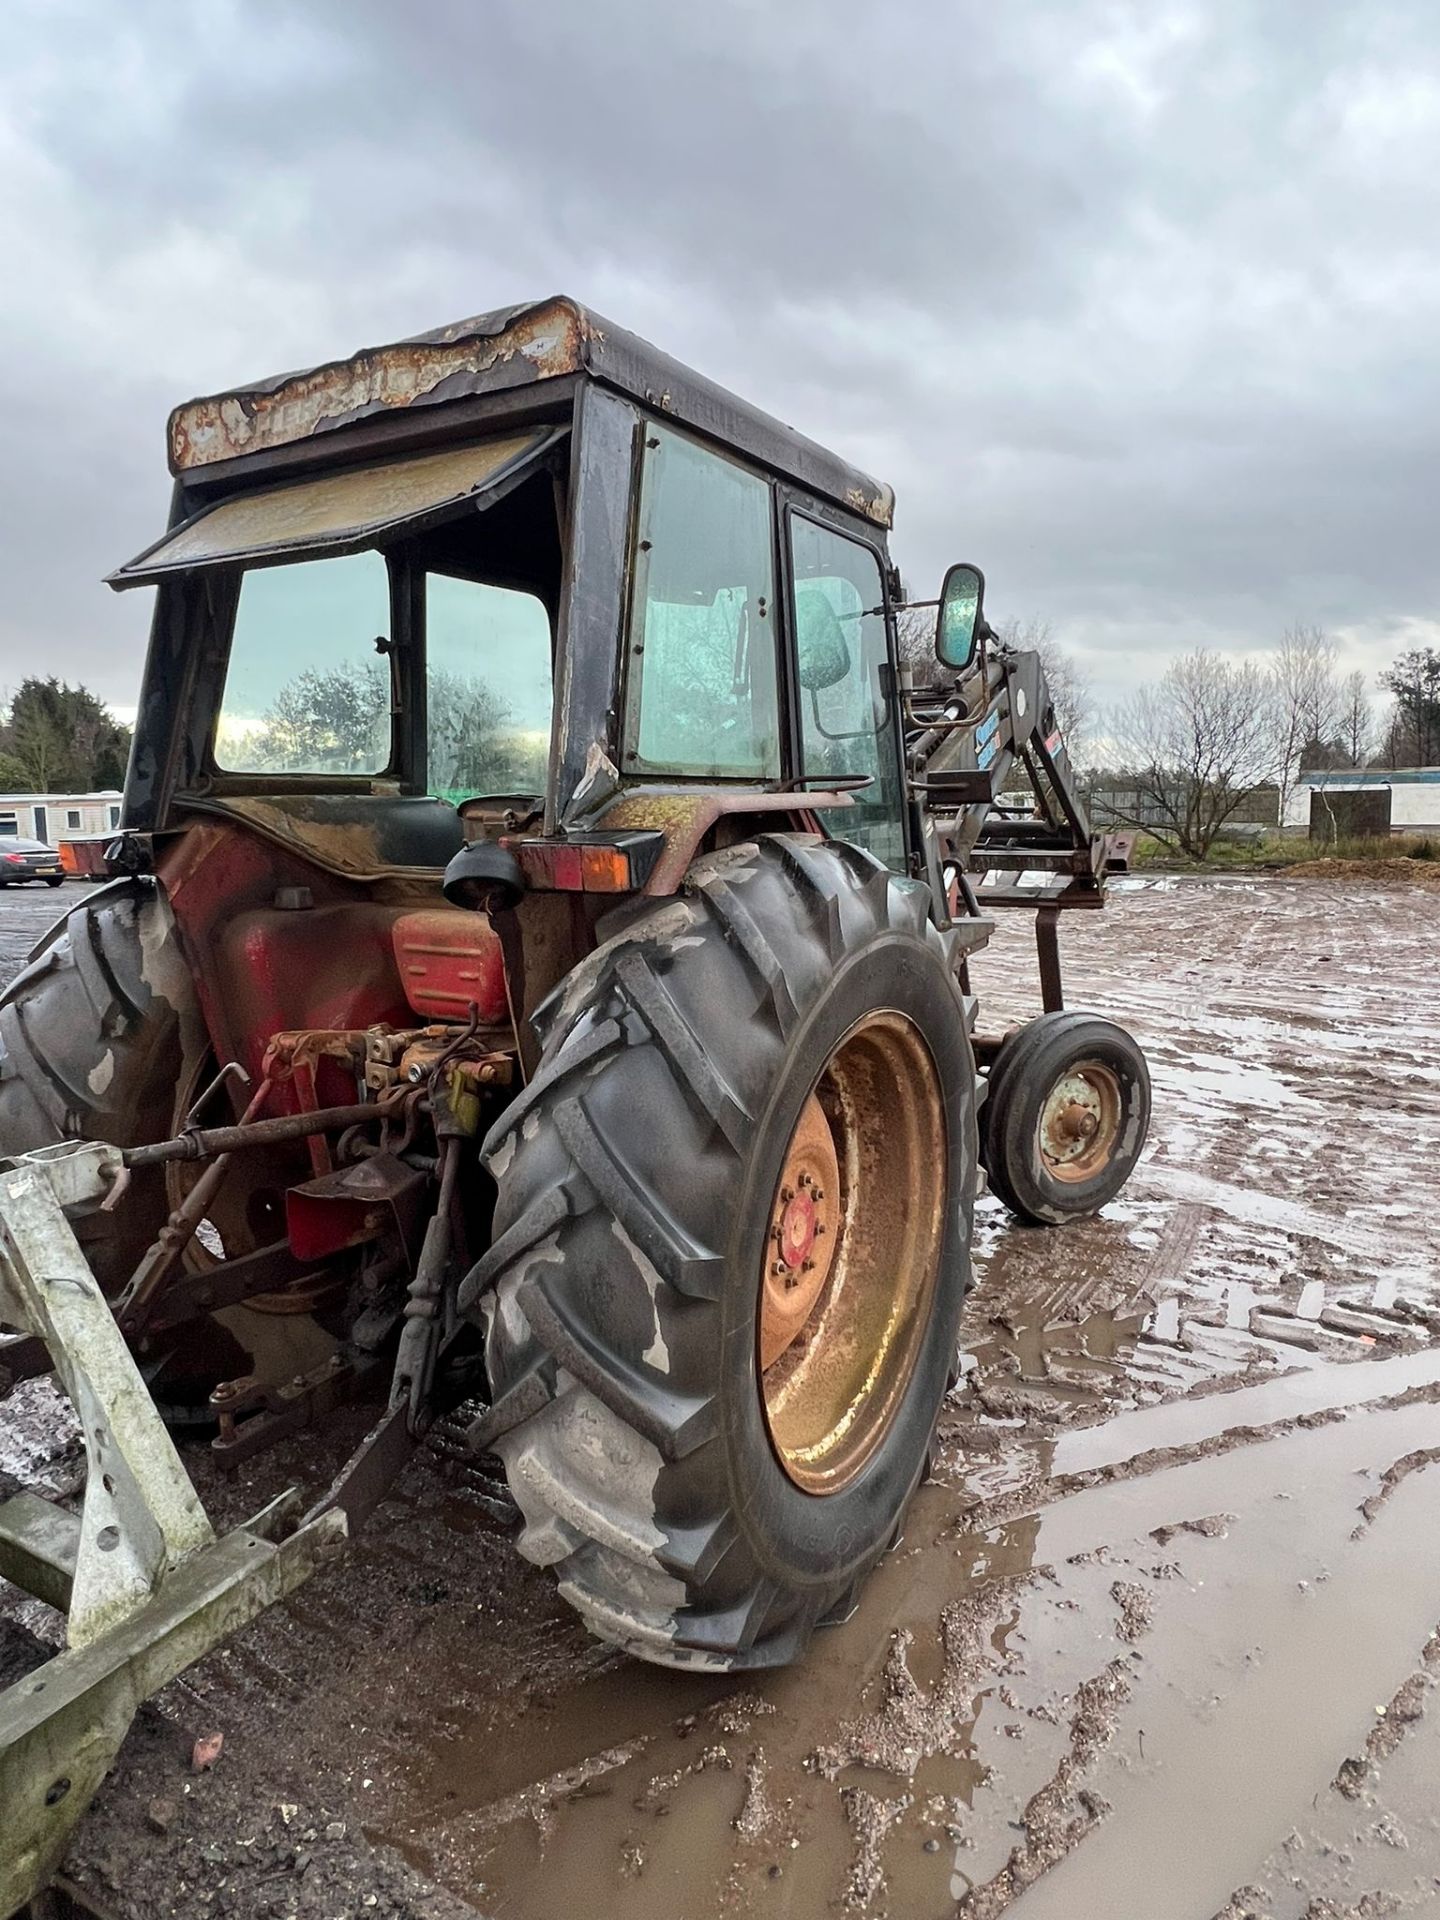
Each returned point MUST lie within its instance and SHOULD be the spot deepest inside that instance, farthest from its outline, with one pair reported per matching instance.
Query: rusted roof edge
(511, 347)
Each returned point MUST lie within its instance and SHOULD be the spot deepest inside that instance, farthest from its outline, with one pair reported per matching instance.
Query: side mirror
(962, 616)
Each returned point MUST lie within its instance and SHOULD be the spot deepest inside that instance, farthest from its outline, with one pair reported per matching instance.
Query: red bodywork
(333, 957)
(449, 962)
(277, 944)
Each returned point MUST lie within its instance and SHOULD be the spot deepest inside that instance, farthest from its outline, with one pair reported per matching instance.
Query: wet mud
(1161, 1633)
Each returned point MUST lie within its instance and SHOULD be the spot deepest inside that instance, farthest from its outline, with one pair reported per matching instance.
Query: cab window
(701, 694)
(306, 689)
(842, 657)
(488, 692)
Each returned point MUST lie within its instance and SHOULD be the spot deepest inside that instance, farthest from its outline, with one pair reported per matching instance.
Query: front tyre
(733, 1229)
(1065, 1118)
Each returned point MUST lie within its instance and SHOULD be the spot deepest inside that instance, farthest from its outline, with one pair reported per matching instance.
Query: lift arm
(966, 748)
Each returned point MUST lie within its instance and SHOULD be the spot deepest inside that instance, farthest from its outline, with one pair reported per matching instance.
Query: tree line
(55, 738)
(1193, 747)
(1189, 748)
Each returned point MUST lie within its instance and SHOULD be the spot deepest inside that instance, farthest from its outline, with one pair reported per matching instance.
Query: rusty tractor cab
(534, 996)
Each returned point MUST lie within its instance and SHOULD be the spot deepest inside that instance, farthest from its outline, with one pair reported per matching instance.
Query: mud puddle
(1283, 1661)
(886, 1774)
(1188, 1422)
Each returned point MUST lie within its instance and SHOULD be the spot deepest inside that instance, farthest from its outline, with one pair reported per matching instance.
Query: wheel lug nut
(777, 1267)
(787, 1194)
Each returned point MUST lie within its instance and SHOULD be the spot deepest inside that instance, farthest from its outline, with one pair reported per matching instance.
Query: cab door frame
(794, 503)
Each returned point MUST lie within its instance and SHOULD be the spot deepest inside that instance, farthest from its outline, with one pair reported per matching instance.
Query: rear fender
(689, 817)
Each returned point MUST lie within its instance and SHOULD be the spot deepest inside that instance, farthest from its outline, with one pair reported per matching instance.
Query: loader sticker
(987, 739)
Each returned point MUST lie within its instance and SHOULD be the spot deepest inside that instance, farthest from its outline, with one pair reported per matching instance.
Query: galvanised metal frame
(144, 1582)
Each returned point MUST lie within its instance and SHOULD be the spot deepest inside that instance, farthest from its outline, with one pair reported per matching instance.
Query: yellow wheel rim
(852, 1252)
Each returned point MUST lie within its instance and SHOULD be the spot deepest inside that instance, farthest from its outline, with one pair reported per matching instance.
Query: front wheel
(733, 1223)
(1065, 1118)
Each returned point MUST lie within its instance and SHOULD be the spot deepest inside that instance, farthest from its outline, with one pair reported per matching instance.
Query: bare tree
(1357, 719)
(1308, 701)
(1195, 745)
(1397, 738)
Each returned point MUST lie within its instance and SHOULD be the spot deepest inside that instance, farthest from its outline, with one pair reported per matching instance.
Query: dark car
(22, 860)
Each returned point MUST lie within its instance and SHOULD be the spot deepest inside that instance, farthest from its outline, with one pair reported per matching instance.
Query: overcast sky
(1135, 305)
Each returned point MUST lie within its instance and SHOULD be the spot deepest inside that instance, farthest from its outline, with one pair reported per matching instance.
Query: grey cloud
(1133, 304)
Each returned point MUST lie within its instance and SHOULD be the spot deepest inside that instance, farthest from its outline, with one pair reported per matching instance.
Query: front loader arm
(994, 732)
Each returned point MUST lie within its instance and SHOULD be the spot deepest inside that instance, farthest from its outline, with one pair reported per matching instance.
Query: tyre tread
(687, 1590)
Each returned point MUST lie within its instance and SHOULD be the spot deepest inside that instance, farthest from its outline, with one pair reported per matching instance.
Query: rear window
(307, 689)
(488, 689)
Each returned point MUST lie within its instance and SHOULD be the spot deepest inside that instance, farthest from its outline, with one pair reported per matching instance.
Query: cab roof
(495, 353)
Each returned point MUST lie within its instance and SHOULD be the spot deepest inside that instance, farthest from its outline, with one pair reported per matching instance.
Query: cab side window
(701, 676)
(842, 656)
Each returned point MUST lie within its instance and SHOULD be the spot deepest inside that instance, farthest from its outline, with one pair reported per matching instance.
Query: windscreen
(488, 689)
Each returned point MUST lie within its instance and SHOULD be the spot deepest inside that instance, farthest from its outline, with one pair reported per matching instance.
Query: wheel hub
(800, 1245)
(1080, 1121)
(796, 1232)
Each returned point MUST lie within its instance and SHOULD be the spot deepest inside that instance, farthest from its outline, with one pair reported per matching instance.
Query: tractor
(533, 995)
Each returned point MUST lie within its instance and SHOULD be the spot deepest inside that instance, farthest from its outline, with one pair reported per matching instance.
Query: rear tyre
(1066, 1116)
(54, 883)
(711, 1420)
(91, 1048)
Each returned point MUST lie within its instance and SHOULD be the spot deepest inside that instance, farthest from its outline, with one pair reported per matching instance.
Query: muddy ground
(1160, 1639)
